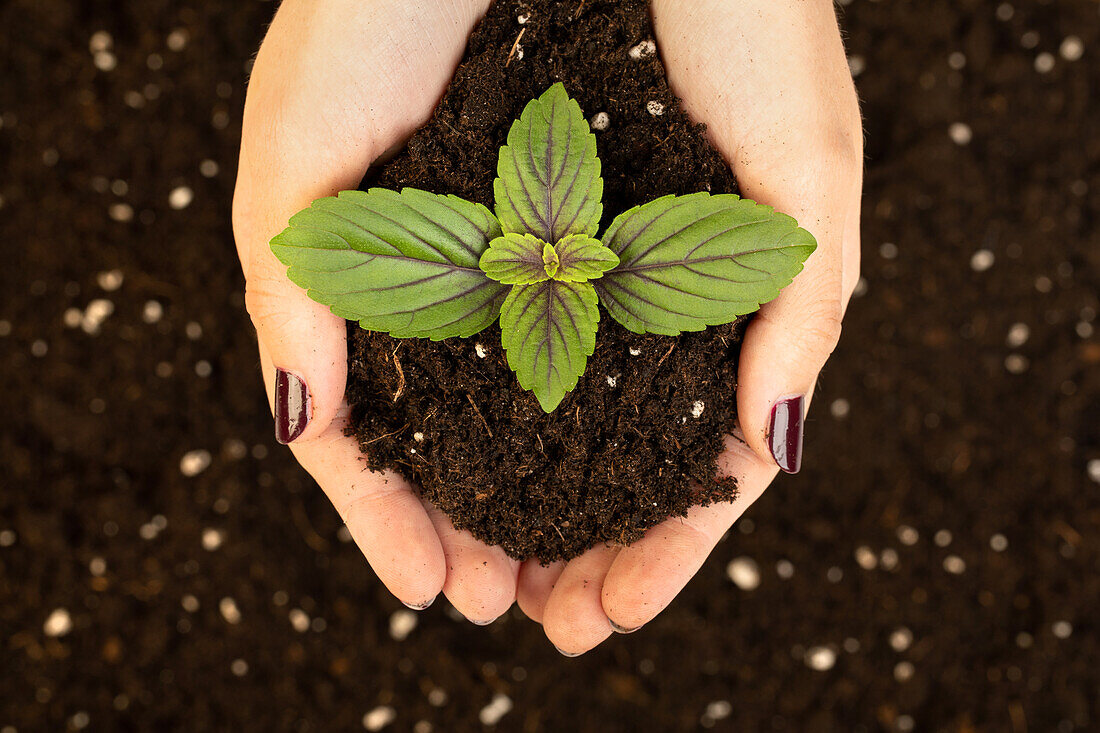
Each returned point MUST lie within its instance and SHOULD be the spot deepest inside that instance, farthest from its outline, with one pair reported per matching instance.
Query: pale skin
(339, 83)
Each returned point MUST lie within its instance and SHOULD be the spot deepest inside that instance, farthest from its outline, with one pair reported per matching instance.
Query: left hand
(771, 82)
(336, 85)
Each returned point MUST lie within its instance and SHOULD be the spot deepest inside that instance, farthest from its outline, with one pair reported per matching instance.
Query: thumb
(772, 83)
(310, 129)
(786, 345)
(304, 344)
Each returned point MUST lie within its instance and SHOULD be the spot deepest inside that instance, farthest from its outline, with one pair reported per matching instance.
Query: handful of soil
(637, 440)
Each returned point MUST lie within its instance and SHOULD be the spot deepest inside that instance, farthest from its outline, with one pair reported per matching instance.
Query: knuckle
(820, 333)
(816, 332)
(264, 306)
(843, 149)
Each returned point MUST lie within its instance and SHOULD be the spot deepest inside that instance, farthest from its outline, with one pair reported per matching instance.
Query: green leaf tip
(516, 259)
(548, 331)
(550, 261)
(548, 176)
(582, 258)
(421, 265)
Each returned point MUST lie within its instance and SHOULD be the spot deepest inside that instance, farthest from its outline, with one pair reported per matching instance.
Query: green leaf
(548, 330)
(550, 261)
(688, 262)
(582, 258)
(404, 263)
(548, 174)
(516, 259)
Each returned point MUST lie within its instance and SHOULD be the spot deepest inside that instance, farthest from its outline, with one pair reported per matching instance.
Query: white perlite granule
(1072, 49)
(194, 462)
(180, 197)
(744, 572)
(643, 49)
(229, 610)
(491, 714)
(379, 718)
(960, 133)
(600, 121)
(299, 620)
(901, 639)
(820, 658)
(212, 539)
(58, 623)
(402, 623)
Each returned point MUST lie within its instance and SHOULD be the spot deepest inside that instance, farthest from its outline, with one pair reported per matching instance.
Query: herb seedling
(420, 265)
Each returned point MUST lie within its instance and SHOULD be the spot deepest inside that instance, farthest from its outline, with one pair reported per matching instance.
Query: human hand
(771, 82)
(335, 85)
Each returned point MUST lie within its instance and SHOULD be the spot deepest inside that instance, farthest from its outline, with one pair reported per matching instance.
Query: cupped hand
(771, 82)
(335, 85)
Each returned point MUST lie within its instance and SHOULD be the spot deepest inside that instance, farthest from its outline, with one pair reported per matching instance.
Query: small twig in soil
(662, 359)
(400, 378)
(380, 437)
(483, 420)
(559, 533)
(579, 10)
(514, 47)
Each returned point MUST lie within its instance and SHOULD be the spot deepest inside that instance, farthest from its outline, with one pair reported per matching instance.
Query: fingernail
(785, 433)
(482, 623)
(419, 606)
(621, 629)
(569, 654)
(292, 406)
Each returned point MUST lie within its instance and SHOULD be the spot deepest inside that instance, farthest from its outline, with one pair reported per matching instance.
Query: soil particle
(619, 454)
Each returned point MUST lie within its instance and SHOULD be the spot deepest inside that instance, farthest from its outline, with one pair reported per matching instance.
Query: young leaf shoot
(420, 265)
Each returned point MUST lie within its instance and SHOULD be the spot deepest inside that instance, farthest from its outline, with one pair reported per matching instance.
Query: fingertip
(784, 349)
(574, 619)
(534, 585)
(646, 577)
(401, 546)
(303, 356)
(480, 580)
(481, 586)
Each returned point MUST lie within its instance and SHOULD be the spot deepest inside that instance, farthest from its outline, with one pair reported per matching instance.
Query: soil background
(933, 567)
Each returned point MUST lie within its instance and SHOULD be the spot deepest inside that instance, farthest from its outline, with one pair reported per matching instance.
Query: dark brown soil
(918, 427)
(624, 450)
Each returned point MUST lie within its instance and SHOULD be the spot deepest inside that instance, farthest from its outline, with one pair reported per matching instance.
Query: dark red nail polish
(292, 406)
(785, 433)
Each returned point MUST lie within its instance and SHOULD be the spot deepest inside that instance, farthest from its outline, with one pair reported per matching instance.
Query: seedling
(421, 265)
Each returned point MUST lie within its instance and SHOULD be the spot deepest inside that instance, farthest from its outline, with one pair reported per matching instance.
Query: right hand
(335, 85)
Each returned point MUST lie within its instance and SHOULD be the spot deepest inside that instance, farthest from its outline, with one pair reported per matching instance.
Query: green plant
(421, 265)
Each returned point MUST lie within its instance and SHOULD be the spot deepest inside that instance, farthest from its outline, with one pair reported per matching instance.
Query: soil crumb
(637, 441)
